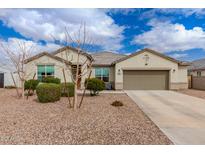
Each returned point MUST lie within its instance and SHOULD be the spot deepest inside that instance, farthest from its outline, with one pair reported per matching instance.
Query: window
(102, 74)
(44, 71)
(198, 73)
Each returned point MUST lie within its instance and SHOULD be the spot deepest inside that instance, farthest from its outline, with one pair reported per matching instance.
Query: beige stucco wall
(31, 68)
(182, 78)
(69, 55)
(177, 75)
(72, 56)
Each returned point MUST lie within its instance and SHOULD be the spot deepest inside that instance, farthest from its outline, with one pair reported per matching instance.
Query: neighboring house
(6, 78)
(197, 68)
(196, 72)
(145, 69)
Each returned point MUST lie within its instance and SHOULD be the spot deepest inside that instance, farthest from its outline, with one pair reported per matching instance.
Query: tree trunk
(23, 91)
(17, 91)
(76, 82)
(65, 88)
(81, 101)
(76, 96)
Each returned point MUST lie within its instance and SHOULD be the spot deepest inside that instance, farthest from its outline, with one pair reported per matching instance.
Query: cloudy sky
(179, 33)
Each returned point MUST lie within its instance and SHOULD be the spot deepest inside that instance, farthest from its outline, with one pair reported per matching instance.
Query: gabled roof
(105, 58)
(153, 52)
(73, 49)
(49, 55)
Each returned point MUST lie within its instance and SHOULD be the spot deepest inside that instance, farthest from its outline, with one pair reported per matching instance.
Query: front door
(1, 80)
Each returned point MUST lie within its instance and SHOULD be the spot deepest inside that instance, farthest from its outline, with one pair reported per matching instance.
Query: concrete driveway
(179, 116)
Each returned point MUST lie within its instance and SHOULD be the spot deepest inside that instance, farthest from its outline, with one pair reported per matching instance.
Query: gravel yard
(97, 122)
(194, 92)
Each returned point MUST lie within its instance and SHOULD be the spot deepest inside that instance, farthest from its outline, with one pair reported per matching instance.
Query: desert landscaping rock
(96, 122)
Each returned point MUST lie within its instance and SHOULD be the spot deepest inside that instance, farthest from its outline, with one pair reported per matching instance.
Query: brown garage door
(145, 80)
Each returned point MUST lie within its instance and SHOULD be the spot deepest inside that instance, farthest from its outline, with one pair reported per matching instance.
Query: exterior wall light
(119, 72)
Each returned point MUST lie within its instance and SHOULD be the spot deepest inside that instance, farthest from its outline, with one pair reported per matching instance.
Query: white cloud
(166, 37)
(178, 55)
(40, 24)
(13, 44)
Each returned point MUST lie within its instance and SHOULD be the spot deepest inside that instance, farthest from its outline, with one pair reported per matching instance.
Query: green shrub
(117, 103)
(69, 87)
(51, 80)
(48, 92)
(31, 84)
(94, 85)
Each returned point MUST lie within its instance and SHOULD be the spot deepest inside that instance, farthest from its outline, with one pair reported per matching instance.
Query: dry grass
(193, 92)
(97, 122)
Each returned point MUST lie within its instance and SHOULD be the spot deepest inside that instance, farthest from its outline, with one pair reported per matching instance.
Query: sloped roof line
(73, 49)
(46, 54)
(153, 52)
(197, 64)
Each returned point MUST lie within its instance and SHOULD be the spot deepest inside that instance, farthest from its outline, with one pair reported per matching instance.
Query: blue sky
(179, 33)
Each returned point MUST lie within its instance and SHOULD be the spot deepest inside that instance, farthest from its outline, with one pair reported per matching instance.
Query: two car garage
(150, 70)
(145, 79)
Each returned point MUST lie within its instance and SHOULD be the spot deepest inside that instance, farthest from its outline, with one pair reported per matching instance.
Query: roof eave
(153, 52)
(74, 49)
(46, 54)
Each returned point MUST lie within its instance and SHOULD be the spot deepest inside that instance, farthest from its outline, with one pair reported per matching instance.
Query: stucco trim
(178, 85)
(118, 86)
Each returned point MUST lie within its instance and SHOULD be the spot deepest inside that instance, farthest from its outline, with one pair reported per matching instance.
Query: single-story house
(143, 70)
(197, 68)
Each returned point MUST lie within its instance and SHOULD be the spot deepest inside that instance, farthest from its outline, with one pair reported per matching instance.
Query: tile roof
(105, 58)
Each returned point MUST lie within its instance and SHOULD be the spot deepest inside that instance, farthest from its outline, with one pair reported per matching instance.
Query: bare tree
(17, 56)
(81, 42)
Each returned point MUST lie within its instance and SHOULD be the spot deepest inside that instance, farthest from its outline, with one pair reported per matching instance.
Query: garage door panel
(145, 80)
